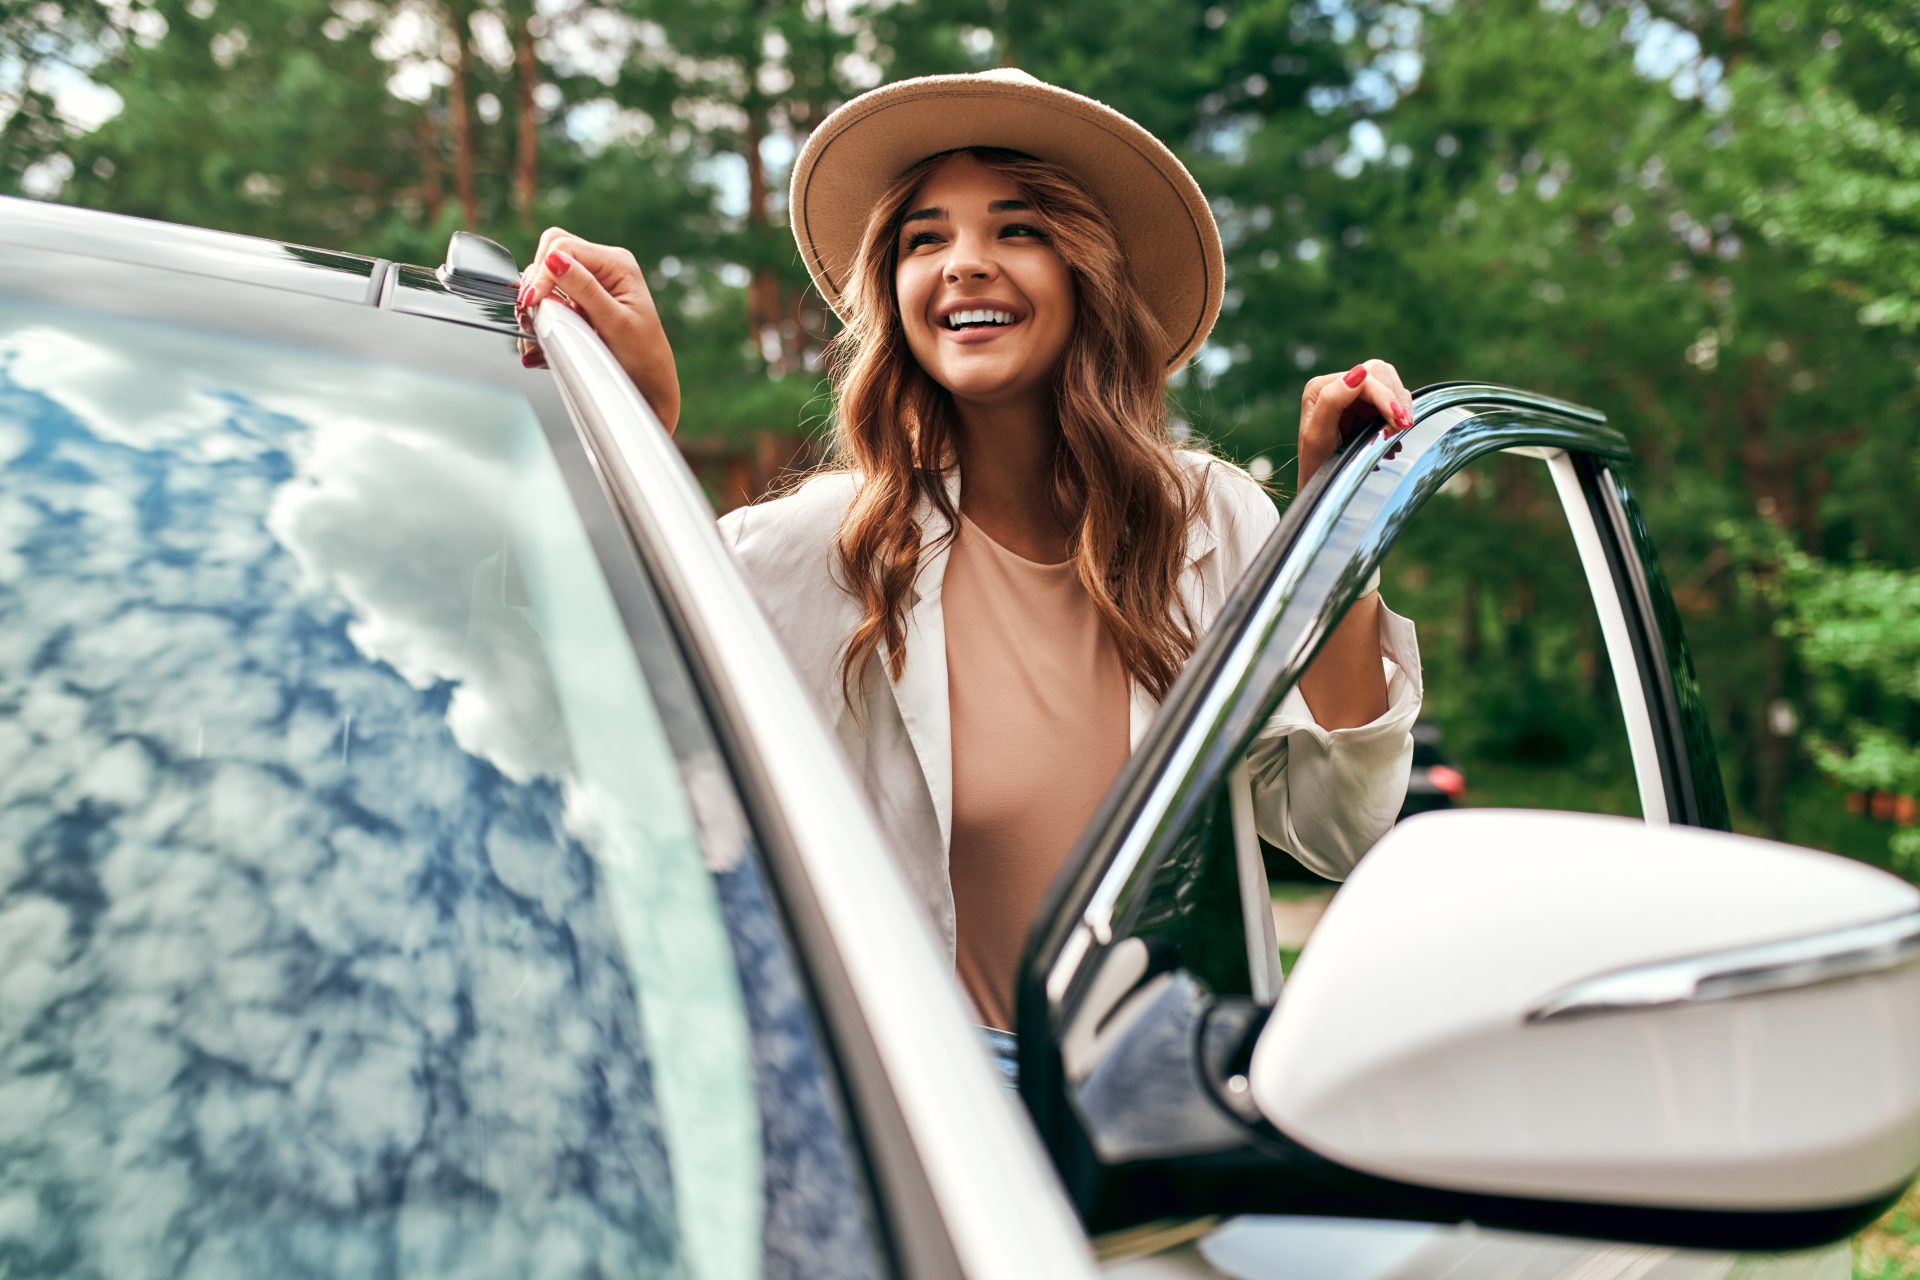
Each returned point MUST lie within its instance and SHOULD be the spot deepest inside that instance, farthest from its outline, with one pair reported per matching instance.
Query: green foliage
(1836, 157)
(1702, 218)
(1856, 630)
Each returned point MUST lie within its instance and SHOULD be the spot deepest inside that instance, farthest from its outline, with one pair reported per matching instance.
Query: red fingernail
(527, 359)
(557, 264)
(1356, 375)
(521, 301)
(1401, 416)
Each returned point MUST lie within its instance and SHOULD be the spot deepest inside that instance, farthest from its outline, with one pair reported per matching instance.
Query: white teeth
(978, 316)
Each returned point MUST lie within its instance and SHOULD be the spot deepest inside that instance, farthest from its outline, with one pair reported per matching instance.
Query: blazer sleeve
(1327, 795)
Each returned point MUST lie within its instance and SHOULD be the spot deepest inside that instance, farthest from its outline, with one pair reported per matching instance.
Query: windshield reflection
(335, 929)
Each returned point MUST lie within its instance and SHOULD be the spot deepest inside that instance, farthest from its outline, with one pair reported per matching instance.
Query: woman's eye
(1022, 229)
(919, 238)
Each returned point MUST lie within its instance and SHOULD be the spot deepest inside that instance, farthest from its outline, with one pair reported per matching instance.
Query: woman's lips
(978, 333)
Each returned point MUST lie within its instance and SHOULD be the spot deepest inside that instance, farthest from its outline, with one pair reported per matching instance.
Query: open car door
(1150, 1000)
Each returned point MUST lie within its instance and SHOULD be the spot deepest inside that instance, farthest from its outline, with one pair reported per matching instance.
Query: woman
(1019, 269)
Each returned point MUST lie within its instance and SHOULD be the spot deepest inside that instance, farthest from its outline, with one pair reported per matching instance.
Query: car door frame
(1330, 539)
(964, 1186)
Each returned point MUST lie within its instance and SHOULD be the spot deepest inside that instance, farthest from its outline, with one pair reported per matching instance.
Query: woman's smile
(971, 322)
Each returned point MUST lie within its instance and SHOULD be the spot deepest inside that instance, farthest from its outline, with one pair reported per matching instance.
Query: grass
(1890, 1248)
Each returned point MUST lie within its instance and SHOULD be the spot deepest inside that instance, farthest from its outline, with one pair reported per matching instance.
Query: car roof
(481, 300)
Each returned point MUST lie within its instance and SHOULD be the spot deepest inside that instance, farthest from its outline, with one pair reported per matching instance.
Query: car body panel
(1275, 1248)
(272, 264)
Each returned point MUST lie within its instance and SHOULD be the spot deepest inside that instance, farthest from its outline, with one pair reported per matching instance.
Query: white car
(417, 857)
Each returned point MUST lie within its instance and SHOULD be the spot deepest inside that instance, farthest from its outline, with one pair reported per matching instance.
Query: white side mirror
(1575, 1008)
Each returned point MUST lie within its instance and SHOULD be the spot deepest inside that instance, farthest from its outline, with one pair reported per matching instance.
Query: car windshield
(362, 910)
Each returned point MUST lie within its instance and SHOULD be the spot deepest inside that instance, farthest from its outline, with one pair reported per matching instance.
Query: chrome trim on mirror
(1792, 964)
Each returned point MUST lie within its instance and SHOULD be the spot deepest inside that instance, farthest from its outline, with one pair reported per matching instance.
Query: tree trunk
(764, 311)
(1813, 501)
(1472, 646)
(431, 190)
(1771, 760)
(458, 119)
(526, 169)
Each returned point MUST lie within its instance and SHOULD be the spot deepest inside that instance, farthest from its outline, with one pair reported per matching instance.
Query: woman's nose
(968, 262)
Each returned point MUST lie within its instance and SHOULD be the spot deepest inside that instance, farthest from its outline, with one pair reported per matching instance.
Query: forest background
(1700, 216)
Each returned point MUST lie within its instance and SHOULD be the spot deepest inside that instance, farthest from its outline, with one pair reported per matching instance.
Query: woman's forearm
(1347, 685)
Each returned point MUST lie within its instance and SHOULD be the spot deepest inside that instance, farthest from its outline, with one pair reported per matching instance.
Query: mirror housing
(1594, 1010)
(1555, 1023)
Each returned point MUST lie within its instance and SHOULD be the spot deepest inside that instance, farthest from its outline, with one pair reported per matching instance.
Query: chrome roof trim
(1003, 1210)
(1792, 964)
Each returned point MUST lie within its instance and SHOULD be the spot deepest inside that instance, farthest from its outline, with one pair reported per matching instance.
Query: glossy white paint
(1401, 1046)
(1262, 1248)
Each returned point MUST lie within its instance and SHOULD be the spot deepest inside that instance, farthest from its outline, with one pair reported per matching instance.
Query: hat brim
(1167, 233)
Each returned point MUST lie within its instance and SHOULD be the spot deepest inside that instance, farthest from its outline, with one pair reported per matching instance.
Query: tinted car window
(367, 906)
(1521, 708)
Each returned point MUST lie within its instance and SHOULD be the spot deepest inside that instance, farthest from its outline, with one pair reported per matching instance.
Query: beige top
(1039, 703)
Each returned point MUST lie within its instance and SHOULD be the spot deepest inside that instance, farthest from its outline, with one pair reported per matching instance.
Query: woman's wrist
(1311, 460)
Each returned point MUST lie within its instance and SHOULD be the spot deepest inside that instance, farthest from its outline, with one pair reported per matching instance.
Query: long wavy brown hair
(1117, 487)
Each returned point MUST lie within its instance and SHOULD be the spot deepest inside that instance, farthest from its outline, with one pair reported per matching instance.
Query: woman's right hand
(604, 284)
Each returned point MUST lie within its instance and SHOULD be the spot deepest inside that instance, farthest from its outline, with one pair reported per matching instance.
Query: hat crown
(1007, 75)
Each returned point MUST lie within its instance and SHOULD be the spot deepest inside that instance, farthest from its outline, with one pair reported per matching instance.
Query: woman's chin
(986, 387)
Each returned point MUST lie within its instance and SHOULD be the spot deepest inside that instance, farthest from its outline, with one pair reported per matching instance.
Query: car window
(1520, 707)
(1520, 710)
(372, 898)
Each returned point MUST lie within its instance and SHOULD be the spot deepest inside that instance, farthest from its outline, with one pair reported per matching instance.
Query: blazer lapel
(921, 690)
(1142, 705)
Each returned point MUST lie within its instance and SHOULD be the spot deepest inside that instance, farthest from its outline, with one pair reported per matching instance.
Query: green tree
(38, 40)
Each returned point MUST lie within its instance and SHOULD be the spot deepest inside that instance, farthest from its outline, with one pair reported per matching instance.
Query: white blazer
(1323, 795)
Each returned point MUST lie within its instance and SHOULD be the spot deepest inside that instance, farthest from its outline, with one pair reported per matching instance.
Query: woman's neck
(1006, 468)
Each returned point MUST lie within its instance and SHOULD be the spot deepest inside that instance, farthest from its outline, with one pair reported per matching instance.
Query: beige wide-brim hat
(1167, 233)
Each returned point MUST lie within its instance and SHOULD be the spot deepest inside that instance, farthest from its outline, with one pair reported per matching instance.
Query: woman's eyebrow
(934, 213)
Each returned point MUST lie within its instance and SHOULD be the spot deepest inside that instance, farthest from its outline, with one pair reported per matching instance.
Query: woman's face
(971, 245)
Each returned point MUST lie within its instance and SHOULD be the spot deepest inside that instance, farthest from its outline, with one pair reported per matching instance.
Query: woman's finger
(1376, 392)
(585, 293)
(531, 356)
(549, 240)
(1339, 394)
(538, 279)
(1390, 378)
(1381, 397)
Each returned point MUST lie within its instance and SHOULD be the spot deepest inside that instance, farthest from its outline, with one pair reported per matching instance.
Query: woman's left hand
(1335, 405)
